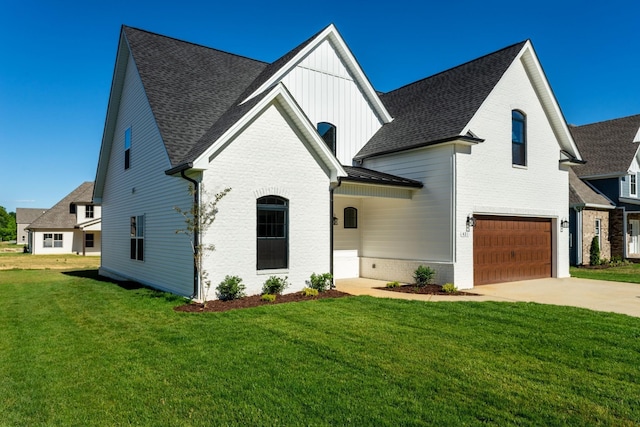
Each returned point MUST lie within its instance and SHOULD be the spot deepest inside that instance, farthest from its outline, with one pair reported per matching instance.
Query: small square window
(88, 211)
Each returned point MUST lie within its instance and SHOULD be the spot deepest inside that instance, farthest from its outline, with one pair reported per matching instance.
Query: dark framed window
(518, 138)
(88, 240)
(127, 148)
(88, 212)
(72, 208)
(137, 237)
(633, 185)
(327, 132)
(272, 232)
(350, 217)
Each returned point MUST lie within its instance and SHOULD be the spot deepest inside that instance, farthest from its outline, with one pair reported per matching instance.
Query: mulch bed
(425, 290)
(254, 301)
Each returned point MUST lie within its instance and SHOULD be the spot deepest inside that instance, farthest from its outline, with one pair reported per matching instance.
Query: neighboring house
(589, 219)
(71, 226)
(465, 171)
(613, 164)
(24, 217)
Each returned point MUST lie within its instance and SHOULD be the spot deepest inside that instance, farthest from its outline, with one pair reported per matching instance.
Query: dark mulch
(425, 290)
(255, 301)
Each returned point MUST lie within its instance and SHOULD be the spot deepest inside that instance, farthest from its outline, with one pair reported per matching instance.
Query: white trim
(281, 95)
(331, 34)
(630, 200)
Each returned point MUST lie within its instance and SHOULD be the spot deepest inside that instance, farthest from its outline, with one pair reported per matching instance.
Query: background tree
(198, 219)
(8, 228)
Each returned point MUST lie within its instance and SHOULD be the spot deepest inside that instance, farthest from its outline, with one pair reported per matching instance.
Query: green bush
(449, 288)
(393, 285)
(594, 253)
(310, 292)
(230, 288)
(275, 285)
(268, 297)
(423, 275)
(321, 282)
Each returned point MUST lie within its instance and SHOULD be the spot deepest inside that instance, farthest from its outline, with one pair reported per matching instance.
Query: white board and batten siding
(488, 182)
(144, 189)
(281, 164)
(326, 92)
(398, 235)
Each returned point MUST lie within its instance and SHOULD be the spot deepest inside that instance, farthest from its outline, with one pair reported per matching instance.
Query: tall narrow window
(598, 231)
(88, 212)
(88, 240)
(328, 133)
(72, 208)
(137, 237)
(127, 148)
(518, 138)
(350, 217)
(272, 233)
(633, 185)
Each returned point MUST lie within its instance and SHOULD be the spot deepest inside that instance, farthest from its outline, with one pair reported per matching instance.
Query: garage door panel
(511, 248)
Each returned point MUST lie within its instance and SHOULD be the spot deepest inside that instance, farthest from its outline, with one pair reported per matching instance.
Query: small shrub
(310, 292)
(268, 297)
(594, 252)
(230, 288)
(321, 282)
(423, 275)
(393, 285)
(449, 288)
(275, 285)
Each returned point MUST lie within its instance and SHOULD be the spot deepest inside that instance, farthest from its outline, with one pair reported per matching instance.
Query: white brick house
(326, 173)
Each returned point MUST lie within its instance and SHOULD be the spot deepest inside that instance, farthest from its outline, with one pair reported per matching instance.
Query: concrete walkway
(597, 295)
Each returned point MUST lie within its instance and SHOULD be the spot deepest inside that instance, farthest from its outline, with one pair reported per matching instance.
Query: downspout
(196, 235)
(625, 244)
(578, 248)
(331, 190)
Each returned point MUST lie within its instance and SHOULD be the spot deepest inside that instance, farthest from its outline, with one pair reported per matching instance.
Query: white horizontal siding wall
(326, 92)
(144, 189)
(488, 183)
(38, 242)
(81, 213)
(416, 229)
(346, 238)
(268, 158)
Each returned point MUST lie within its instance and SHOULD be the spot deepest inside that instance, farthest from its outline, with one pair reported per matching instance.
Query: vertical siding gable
(327, 92)
(144, 189)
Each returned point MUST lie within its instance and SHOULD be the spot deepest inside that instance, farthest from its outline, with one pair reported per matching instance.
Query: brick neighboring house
(24, 217)
(613, 165)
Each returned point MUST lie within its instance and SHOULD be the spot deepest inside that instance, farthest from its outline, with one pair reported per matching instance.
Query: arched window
(328, 133)
(272, 233)
(518, 138)
(350, 217)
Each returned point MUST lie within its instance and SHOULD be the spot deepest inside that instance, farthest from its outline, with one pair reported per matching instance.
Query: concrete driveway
(597, 295)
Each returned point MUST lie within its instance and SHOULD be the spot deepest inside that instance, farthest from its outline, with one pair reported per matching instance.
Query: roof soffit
(331, 35)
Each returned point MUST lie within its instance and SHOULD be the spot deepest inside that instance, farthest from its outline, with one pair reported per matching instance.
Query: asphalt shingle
(59, 216)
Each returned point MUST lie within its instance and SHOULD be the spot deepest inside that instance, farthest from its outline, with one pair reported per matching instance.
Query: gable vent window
(137, 237)
(327, 132)
(518, 138)
(272, 233)
(127, 148)
(350, 217)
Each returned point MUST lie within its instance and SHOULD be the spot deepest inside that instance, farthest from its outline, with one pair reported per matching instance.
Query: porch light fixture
(335, 220)
(471, 221)
(564, 224)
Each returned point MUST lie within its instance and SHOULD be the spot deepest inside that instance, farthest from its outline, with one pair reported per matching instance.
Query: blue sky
(57, 61)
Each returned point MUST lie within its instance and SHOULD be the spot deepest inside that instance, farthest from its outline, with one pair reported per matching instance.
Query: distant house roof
(368, 176)
(607, 146)
(60, 216)
(439, 107)
(582, 194)
(28, 215)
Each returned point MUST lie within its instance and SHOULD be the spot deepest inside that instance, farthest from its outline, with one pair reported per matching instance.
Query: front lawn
(78, 351)
(625, 273)
(19, 260)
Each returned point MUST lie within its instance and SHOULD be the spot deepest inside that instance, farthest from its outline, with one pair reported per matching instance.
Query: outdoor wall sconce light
(335, 220)
(564, 224)
(471, 221)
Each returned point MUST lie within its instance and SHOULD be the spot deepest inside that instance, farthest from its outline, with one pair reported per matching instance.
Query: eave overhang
(463, 140)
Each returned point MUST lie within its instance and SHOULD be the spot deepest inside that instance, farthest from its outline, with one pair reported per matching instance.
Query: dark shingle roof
(189, 87)
(59, 216)
(439, 107)
(581, 194)
(28, 215)
(607, 146)
(357, 174)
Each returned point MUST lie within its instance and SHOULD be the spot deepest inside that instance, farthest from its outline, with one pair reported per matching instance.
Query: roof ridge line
(605, 121)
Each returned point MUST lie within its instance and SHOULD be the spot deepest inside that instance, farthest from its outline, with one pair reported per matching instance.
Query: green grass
(78, 351)
(625, 273)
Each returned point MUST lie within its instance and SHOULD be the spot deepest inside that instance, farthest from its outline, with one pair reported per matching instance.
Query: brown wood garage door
(507, 249)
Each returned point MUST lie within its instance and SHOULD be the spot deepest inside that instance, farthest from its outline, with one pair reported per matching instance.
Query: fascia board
(548, 100)
(278, 93)
(352, 64)
(630, 200)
